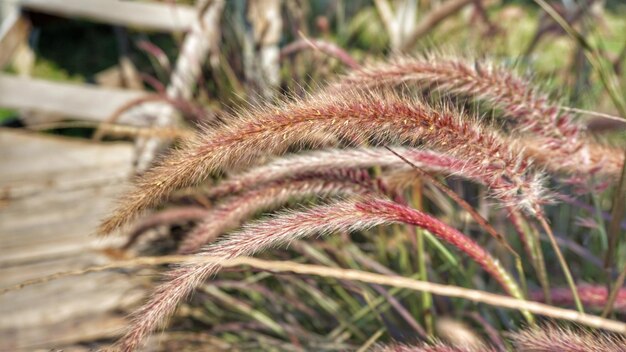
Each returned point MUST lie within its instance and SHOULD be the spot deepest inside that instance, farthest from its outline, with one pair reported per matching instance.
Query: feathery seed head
(349, 215)
(549, 338)
(380, 117)
(560, 142)
(235, 210)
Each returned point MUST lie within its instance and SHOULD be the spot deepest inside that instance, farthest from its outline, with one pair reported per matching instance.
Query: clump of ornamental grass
(366, 115)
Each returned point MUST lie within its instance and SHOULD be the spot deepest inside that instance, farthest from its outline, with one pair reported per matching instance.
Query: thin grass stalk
(371, 340)
(516, 220)
(538, 251)
(382, 117)
(270, 295)
(324, 259)
(381, 269)
(600, 225)
(327, 48)
(403, 312)
(347, 215)
(615, 292)
(379, 303)
(617, 214)
(244, 308)
(562, 261)
(610, 82)
(427, 299)
(530, 241)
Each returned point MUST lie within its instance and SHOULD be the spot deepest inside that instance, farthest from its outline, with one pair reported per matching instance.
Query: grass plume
(549, 338)
(332, 159)
(558, 140)
(381, 117)
(235, 210)
(286, 227)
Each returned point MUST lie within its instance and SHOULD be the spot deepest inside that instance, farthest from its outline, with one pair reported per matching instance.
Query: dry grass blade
(326, 47)
(616, 292)
(438, 289)
(115, 265)
(108, 126)
(349, 274)
(117, 129)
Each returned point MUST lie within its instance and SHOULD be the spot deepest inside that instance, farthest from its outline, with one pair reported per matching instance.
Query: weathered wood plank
(85, 102)
(97, 164)
(13, 32)
(54, 190)
(152, 16)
